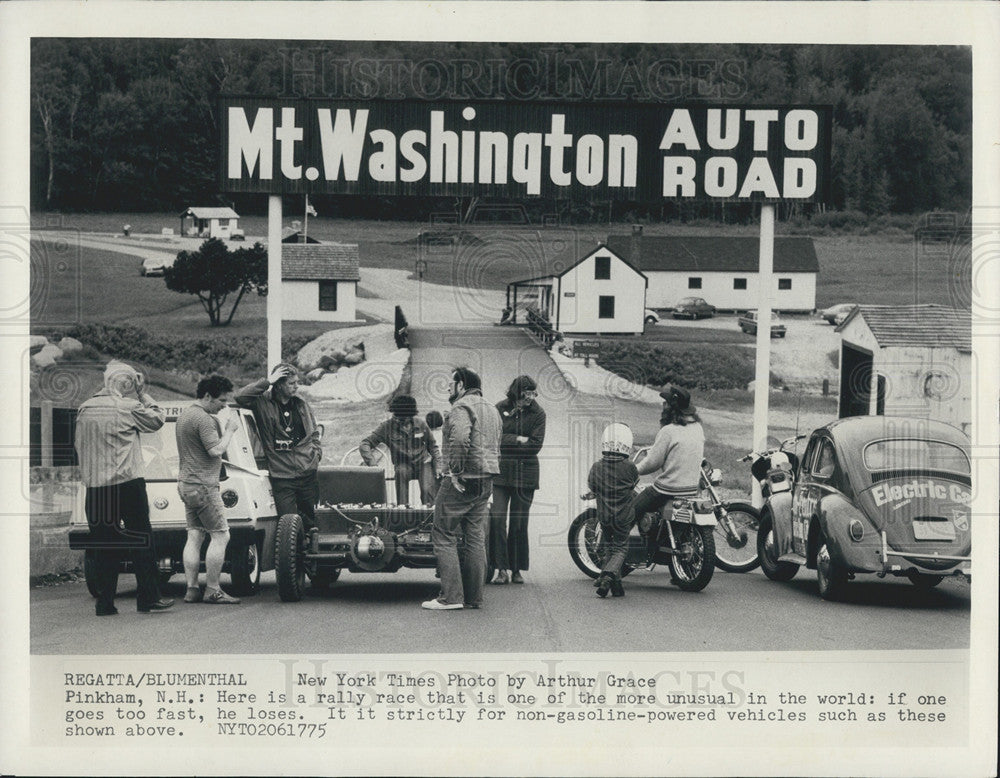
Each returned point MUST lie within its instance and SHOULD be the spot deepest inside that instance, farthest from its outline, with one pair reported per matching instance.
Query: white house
(723, 270)
(319, 281)
(209, 222)
(599, 294)
(907, 360)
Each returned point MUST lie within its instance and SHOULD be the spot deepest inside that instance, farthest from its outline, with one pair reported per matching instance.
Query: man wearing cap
(410, 443)
(677, 453)
(111, 467)
(290, 438)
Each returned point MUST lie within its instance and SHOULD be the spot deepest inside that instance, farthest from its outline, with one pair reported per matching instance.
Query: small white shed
(320, 281)
(599, 294)
(209, 222)
(907, 360)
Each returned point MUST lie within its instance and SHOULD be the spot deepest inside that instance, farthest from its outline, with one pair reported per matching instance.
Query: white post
(762, 373)
(273, 281)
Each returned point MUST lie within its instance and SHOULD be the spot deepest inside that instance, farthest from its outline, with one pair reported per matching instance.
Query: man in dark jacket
(411, 446)
(291, 440)
(523, 433)
(471, 454)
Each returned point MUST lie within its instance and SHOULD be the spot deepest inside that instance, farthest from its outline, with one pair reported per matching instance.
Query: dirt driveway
(802, 358)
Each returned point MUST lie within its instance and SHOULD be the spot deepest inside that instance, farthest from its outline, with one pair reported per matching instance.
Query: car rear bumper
(166, 541)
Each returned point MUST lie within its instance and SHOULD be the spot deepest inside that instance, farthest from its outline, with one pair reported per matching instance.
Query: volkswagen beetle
(874, 494)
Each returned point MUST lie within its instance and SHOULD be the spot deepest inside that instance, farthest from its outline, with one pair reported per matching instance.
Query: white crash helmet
(617, 439)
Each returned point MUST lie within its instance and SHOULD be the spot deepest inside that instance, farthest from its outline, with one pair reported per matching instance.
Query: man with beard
(472, 457)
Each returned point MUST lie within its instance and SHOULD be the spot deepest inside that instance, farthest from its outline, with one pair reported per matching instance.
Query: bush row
(242, 355)
(707, 366)
(850, 222)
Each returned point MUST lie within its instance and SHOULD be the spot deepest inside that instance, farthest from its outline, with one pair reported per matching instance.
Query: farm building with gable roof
(601, 293)
(723, 270)
(320, 281)
(210, 222)
(907, 360)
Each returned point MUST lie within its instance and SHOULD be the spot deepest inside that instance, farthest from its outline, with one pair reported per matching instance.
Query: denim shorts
(203, 507)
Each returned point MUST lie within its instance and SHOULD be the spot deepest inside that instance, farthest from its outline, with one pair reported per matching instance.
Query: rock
(37, 341)
(328, 361)
(70, 346)
(47, 356)
(368, 381)
(314, 375)
(353, 357)
(377, 339)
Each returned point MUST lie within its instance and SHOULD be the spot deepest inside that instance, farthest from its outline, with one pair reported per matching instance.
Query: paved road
(555, 611)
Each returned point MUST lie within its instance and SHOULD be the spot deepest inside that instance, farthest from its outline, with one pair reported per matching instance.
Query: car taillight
(230, 498)
(857, 530)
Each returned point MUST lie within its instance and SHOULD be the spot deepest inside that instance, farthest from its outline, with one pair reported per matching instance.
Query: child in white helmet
(612, 481)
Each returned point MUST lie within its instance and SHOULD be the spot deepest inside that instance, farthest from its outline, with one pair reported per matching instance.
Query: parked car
(748, 323)
(836, 314)
(874, 494)
(693, 308)
(154, 266)
(246, 495)
(651, 317)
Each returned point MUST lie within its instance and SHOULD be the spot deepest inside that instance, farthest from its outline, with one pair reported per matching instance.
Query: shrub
(245, 354)
(706, 366)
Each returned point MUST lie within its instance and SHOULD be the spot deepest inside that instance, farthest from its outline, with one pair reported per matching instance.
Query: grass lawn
(105, 286)
(872, 269)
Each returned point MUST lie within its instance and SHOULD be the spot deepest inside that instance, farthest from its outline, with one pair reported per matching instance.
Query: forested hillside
(131, 124)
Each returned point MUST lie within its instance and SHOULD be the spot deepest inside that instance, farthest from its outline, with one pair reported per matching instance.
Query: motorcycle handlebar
(781, 447)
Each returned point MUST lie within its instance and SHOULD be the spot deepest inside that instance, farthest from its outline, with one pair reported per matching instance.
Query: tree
(213, 273)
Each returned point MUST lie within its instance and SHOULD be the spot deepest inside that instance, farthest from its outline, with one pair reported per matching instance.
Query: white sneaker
(440, 605)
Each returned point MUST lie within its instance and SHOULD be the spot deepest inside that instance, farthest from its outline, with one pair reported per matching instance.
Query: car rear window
(914, 454)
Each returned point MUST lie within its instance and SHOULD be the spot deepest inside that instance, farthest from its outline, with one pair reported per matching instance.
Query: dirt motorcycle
(686, 533)
(775, 468)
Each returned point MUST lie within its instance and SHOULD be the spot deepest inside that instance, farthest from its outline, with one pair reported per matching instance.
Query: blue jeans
(459, 538)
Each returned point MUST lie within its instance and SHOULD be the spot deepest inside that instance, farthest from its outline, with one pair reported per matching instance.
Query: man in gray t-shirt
(200, 448)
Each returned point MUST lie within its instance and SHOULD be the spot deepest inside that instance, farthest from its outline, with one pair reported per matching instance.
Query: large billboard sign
(731, 153)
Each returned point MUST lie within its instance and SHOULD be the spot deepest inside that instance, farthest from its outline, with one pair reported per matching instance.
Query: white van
(246, 495)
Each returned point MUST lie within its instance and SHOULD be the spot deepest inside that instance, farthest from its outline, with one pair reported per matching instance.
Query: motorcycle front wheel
(586, 545)
(737, 553)
(693, 565)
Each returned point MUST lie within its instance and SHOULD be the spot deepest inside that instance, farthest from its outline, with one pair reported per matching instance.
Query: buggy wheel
(694, 564)
(289, 558)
